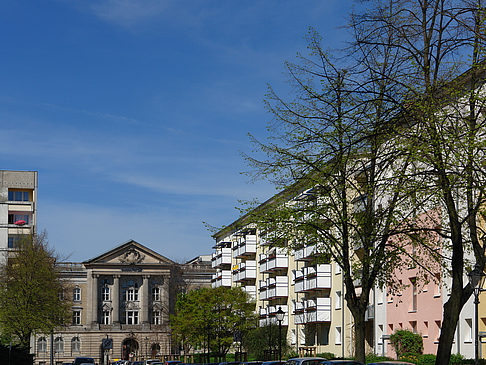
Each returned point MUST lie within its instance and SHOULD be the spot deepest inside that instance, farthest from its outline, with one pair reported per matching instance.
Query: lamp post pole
(476, 278)
(280, 316)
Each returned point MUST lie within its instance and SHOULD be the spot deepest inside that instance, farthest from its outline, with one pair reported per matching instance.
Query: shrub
(327, 355)
(407, 342)
(456, 359)
(376, 358)
(427, 359)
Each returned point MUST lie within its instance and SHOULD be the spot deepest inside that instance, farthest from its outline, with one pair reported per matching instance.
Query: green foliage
(407, 343)
(427, 359)
(456, 359)
(259, 340)
(327, 355)
(31, 286)
(376, 358)
(214, 315)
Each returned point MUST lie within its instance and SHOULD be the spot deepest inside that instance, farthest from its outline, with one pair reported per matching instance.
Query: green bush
(327, 355)
(456, 359)
(376, 358)
(427, 359)
(407, 343)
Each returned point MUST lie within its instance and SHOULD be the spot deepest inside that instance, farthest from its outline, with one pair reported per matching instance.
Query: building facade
(18, 207)
(121, 302)
(312, 294)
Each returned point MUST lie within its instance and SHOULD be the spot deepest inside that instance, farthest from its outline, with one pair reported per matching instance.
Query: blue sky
(135, 113)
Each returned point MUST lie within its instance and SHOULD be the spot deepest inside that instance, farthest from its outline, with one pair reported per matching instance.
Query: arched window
(76, 294)
(75, 344)
(59, 344)
(42, 344)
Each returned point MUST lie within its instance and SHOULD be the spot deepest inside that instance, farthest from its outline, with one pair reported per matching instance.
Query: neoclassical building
(121, 302)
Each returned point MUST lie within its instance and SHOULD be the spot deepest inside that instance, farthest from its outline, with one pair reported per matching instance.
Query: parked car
(273, 363)
(390, 362)
(305, 361)
(341, 362)
(83, 360)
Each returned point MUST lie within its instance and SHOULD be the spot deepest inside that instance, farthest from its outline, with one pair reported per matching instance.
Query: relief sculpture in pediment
(132, 256)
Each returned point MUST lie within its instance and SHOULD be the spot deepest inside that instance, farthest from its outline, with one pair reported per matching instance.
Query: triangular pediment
(129, 253)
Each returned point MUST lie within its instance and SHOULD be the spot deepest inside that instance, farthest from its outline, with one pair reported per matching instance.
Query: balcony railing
(221, 278)
(306, 253)
(244, 246)
(244, 271)
(278, 259)
(221, 257)
(315, 310)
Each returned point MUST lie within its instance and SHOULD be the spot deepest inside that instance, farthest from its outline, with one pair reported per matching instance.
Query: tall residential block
(18, 207)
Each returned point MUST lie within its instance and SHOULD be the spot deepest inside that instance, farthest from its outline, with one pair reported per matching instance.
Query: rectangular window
(468, 335)
(338, 339)
(19, 219)
(106, 317)
(156, 317)
(425, 332)
(105, 294)
(414, 294)
(132, 295)
(437, 286)
(18, 195)
(132, 317)
(323, 335)
(155, 294)
(338, 300)
(13, 240)
(76, 318)
(77, 294)
(413, 326)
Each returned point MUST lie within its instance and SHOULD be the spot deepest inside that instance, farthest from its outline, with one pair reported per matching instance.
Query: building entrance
(130, 349)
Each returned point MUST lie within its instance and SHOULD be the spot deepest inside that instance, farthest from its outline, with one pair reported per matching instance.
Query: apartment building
(310, 294)
(18, 207)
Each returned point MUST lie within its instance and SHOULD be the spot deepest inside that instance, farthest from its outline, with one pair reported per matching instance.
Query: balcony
(318, 277)
(299, 313)
(277, 259)
(262, 289)
(299, 281)
(318, 310)
(277, 287)
(221, 278)
(244, 271)
(305, 254)
(250, 290)
(262, 260)
(244, 246)
(272, 310)
(221, 257)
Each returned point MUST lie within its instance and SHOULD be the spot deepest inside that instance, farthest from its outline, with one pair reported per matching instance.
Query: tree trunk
(452, 309)
(359, 335)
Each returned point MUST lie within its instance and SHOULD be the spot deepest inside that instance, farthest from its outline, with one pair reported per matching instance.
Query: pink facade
(417, 306)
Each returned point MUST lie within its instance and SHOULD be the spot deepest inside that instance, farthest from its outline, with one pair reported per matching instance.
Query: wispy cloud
(128, 13)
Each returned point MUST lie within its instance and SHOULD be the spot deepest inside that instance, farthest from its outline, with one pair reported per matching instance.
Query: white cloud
(127, 13)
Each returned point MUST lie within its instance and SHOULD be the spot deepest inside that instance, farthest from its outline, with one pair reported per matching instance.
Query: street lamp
(476, 280)
(280, 314)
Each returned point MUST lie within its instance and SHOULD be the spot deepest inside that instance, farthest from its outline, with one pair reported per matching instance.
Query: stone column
(115, 299)
(89, 299)
(144, 305)
(94, 298)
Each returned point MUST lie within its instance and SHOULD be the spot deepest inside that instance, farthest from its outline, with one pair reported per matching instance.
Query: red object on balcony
(20, 222)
